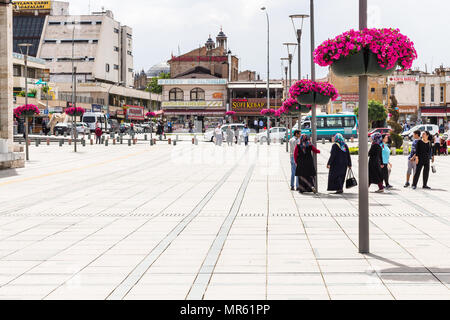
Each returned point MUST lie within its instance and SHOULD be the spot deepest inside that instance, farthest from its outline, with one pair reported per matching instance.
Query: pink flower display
(27, 110)
(150, 114)
(230, 113)
(75, 111)
(391, 47)
(267, 112)
(308, 86)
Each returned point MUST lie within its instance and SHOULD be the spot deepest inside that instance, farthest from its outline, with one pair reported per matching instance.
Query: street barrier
(129, 142)
(175, 143)
(170, 141)
(145, 137)
(83, 142)
(106, 142)
(60, 142)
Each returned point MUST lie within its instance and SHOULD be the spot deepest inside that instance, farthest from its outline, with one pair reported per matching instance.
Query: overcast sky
(160, 27)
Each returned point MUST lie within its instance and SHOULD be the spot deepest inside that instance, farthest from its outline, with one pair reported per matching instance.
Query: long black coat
(339, 162)
(306, 171)
(375, 162)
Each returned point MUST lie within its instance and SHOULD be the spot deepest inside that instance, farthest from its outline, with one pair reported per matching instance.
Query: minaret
(222, 40)
(210, 44)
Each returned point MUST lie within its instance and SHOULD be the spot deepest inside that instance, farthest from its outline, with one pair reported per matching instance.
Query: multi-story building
(99, 46)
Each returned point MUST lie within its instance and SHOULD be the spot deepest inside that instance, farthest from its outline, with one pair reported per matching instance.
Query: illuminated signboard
(32, 5)
(204, 104)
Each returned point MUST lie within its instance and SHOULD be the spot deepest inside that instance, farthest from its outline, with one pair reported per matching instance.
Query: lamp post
(286, 96)
(268, 74)
(107, 100)
(290, 59)
(27, 46)
(313, 78)
(298, 32)
(363, 206)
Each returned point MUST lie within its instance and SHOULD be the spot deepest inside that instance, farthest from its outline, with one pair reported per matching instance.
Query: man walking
(292, 144)
(412, 158)
(246, 134)
(98, 135)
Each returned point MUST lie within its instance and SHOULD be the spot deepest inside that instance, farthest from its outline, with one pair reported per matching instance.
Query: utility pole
(268, 75)
(313, 78)
(25, 57)
(363, 148)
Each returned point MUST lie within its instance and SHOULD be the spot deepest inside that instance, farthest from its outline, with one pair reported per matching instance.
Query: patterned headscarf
(340, 141)
(304, 142)
(377, 138)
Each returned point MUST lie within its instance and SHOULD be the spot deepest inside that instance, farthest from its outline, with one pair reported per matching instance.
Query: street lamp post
(286, 97)
(313, 78)
(268, 74)
(120, 83)
(27, 46)
(298, 32)
(363, 148)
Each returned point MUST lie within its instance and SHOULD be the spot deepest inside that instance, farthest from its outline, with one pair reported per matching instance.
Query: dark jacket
(375, 162)
(339, 162)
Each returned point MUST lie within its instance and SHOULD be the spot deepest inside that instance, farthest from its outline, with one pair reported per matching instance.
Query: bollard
(169, 141)
(323, 140)
(114, 141)
(48, 141)
(65, 134)
(60, 142)
(352, 139)
(175, 143)
(83, 143)
(394, 151)
(91, 142)
(193, 140)
(36, 142)
(134, 141)
(103, 139)
(129, 142)
(160, 137)
(20, 141)
(145, 137)
(151, 142)
(121, 140)
(106, 142)
(176, 137)
(70, 142)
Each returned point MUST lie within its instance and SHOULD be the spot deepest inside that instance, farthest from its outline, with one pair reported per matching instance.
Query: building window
(116, 49)
(107, 67)
(385, 91)
(116, 67)
(116, 30)
(176, 94)
(17, 69)
(422, 94)
(197, 94)
(54, 23)
(372, 89)
(442, 94)
(129, 53)
(49, 41)
(432, 93)
(392, 91)
(130, 70)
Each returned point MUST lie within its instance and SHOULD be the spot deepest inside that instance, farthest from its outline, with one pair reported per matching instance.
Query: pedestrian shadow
(337, 196)
(401, 272)
(433, 189)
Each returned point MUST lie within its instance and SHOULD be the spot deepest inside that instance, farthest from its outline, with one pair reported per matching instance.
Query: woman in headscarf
(306, 171)
(376, 162)
(339, 161)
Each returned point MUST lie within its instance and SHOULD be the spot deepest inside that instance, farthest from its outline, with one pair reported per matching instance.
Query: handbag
(351, 180)
(433, 168)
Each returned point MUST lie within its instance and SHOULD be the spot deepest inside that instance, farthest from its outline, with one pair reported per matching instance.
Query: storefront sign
(196, 104)
(433, 112)
(195, 112)
(217, 95)
(32, 5)
(135, 113)
(55, 109)
(176, 82)
(253, 105)
(407, 109)
(97, 108)
(395, 79)
(348, 98)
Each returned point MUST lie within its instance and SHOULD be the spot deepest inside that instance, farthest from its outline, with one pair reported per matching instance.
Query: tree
(377, 113)
(153, 86)
(393, 123)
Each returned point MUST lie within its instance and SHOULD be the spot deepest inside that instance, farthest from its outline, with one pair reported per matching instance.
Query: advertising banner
(32, 5)
(135, 113)
(196, 104)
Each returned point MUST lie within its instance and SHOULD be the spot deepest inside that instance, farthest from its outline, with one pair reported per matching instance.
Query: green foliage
(377, 112)
(45, 89)
(32, 92)
(397, 140)
(393, 122)
(21, 94)
(153, 86)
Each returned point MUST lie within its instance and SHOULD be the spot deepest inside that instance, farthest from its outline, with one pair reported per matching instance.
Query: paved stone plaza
(204, 222)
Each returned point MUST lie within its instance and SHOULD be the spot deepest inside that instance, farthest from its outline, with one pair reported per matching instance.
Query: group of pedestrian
(420, 158)
(440, 146)
(303, 170)
(379, 162)
(231, 135)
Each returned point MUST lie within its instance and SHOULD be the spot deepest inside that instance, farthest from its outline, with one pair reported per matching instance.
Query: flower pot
(304, 109)
(350, 66)
(306, 98)
(374, 69)
(321, 100)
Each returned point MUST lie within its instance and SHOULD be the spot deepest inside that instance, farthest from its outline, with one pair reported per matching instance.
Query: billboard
(32, 5)
(135, 113)
(196, 104)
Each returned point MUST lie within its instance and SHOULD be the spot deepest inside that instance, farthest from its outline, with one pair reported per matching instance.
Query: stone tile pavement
(204, 222)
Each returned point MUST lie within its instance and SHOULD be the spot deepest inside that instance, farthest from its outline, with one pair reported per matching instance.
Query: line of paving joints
(396, 242)
(125, 286)
(307, 235)
(128, 235)
(203, 278)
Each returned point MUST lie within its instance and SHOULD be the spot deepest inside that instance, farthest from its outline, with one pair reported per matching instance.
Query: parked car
(275, 133)
(380, 130)
(209, 135)
(82, 128)
(114, 125)
(62, 128)
(431, 128)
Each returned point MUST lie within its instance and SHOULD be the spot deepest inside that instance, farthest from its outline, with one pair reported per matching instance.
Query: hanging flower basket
(75, 111)
(291, 107)
(28, 110)
(230, 113)
(309, 92)
(372, 52)
(150, 115)
(268, 112)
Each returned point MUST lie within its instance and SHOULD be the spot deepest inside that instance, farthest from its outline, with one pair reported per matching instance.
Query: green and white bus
(329, 125)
